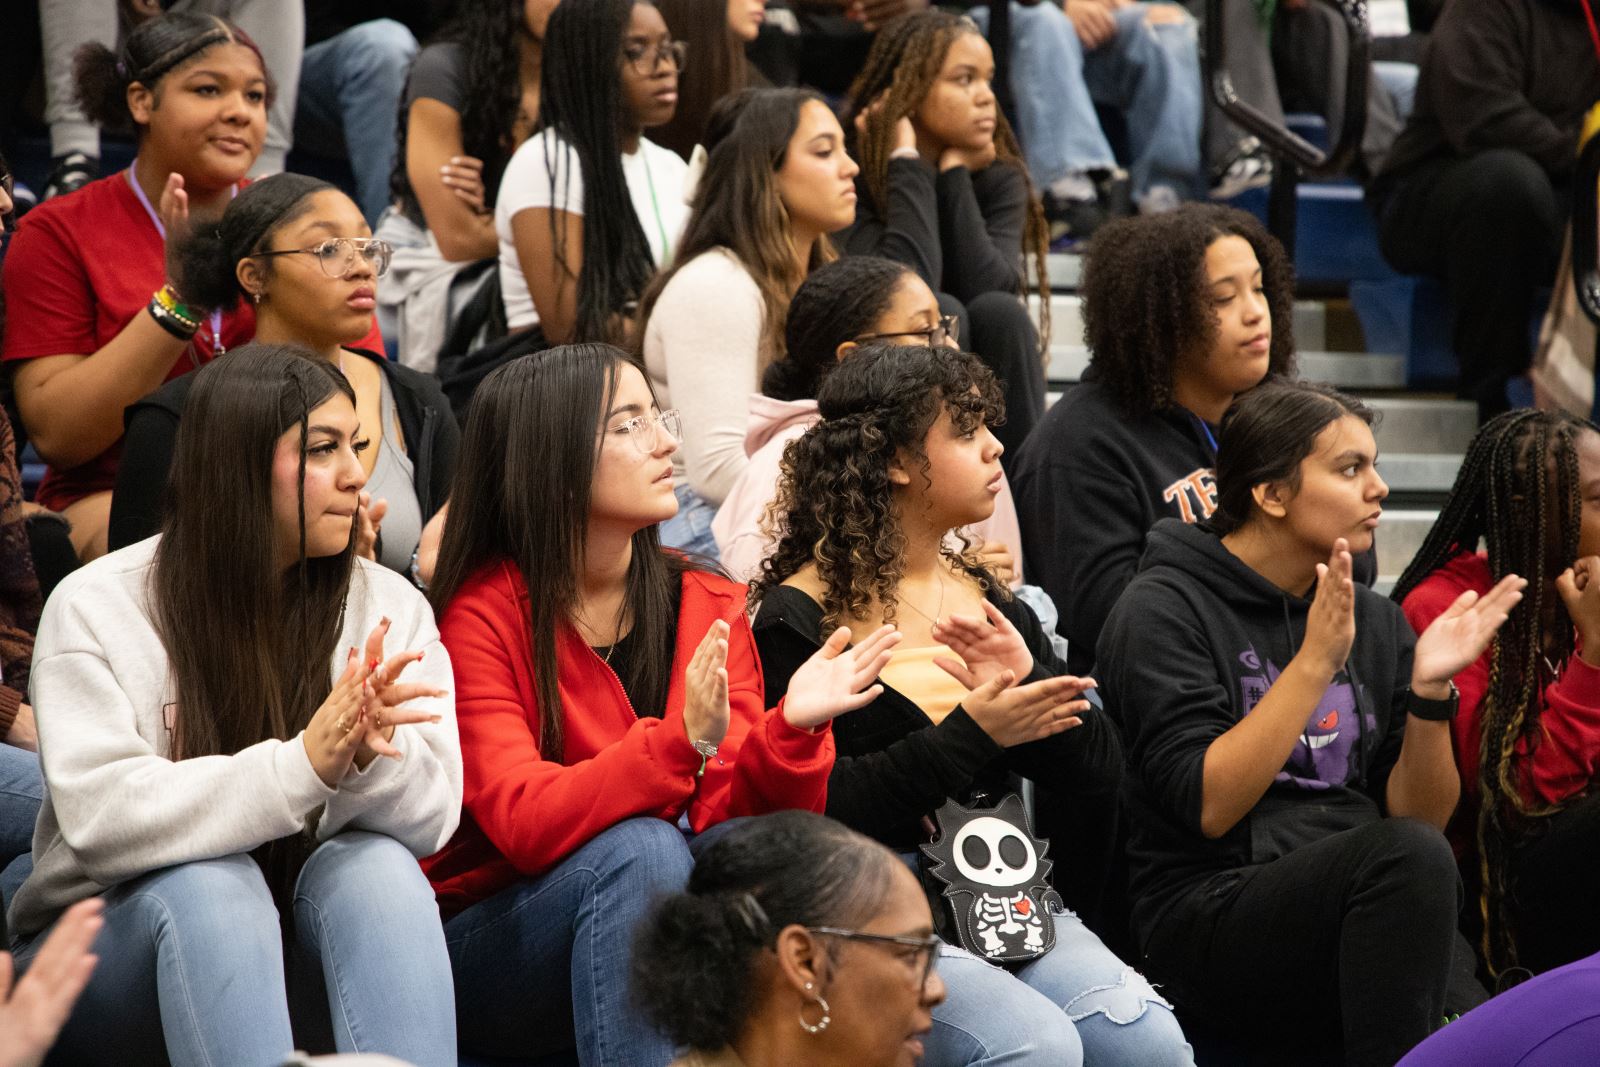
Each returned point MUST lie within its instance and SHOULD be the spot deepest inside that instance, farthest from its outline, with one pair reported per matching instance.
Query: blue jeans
(349, 105)
(542, 965)
(1077, 1004)
(690, 528)
(191, 962)
(1149, 73)
(21, 793)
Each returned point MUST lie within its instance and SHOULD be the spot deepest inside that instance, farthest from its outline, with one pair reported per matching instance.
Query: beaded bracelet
(169, 322)
(172, 316)
(183, 312)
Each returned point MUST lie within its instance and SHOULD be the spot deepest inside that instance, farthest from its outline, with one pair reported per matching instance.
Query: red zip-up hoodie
(522, 814)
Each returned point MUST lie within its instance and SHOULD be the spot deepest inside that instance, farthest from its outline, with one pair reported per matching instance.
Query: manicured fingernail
(384, 622)
(372, 664)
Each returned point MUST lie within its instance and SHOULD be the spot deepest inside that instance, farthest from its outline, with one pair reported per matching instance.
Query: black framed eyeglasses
(925, 949)
(948, 328)
(337, 255)
(646, 58)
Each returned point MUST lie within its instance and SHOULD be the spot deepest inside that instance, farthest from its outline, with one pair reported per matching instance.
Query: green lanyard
(655, 206)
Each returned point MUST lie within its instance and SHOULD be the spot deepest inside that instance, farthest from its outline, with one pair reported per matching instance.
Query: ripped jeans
(1079, 1004)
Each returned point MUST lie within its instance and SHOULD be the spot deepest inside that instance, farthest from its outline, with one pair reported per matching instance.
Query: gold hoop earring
(822, 1023)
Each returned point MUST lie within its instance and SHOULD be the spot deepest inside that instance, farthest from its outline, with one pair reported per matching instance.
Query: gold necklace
(939, 610)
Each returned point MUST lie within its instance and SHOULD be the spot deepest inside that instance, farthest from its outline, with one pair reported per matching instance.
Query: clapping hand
(705, 705)
(838, 678)
(384, 697)
(987, 647)
(1460, 635)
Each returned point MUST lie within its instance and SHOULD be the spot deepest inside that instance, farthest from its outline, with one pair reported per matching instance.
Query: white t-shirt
(655, 177)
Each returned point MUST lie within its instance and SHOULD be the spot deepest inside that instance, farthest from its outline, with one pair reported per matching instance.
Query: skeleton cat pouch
(990, 871)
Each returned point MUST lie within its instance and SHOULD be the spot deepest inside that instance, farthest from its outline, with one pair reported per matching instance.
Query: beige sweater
(703, 352)
(118, 807)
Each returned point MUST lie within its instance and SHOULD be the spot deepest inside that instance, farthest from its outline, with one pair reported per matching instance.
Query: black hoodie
(1188, 651)
(1089, 482)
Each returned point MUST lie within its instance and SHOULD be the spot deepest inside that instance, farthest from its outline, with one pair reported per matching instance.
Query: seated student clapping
(870, 495)
(609, 692)
(1289, 764)
(242, 725)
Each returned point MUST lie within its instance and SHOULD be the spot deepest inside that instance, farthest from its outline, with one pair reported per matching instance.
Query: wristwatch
(708, 752)
(1434, 710)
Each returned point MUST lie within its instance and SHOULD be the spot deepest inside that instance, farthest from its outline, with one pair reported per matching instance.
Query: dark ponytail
(694, 958)
(1266, 435)
(102, 77)
(207, 259)
(838, 302)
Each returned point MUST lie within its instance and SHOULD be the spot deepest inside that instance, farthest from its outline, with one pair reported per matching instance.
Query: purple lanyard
(217, 348)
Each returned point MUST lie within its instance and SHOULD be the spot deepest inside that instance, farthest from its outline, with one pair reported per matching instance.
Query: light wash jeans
(191, 963)
(690, 529)
(542, 966)
(21, 793)
(1079, 1004)
(1149, 73)
(350, 86)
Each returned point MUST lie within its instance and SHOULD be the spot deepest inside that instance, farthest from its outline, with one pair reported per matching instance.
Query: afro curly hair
(1146, 299)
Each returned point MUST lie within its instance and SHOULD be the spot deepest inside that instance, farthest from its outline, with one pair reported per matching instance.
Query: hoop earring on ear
(822, 1023)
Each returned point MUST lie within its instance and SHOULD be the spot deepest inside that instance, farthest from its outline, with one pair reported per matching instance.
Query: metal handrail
(1586, 220)
(1278, 139)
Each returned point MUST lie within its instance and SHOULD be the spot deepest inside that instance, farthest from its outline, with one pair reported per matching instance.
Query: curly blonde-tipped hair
(901, 69)
(835, 503)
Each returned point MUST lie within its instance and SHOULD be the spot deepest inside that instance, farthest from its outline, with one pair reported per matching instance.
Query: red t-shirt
(79, 268)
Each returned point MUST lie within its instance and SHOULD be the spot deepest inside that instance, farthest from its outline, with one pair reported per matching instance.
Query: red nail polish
(372, 665)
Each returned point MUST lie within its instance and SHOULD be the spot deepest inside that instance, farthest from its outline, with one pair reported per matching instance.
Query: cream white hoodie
(117, 807)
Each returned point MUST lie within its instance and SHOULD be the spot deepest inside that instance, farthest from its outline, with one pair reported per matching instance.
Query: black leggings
(1353, 938)
(1555, 889)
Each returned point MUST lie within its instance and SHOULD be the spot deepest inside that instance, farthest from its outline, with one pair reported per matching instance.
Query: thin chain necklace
(939, 610)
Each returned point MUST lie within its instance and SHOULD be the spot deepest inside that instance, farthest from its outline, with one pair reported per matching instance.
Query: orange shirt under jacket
(523, 814)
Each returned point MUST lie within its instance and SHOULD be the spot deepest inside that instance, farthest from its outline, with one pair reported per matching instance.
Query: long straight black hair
(490, 33)
(522, 493)
(249, 646)
(580, 99)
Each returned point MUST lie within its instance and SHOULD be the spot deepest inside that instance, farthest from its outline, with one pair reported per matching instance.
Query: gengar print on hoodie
(1191, 647)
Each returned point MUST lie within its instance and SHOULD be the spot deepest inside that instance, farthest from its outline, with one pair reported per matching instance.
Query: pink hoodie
(772, 425)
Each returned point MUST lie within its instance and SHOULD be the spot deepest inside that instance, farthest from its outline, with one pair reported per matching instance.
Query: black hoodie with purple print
(1191, 648)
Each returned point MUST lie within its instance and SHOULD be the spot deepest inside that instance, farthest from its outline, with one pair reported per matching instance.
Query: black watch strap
(1434, 710)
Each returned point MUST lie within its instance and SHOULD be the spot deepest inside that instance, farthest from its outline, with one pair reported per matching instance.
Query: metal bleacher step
(1423, 425)
(1400, 535)
(1348, 370)
(1064, 269)
(1066, 320)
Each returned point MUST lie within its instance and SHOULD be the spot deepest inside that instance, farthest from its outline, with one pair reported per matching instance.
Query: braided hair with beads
(900, 71)
(1518, 491)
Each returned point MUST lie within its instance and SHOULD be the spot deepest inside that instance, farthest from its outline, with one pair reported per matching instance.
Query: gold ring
(342, 725)
(377, 719)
